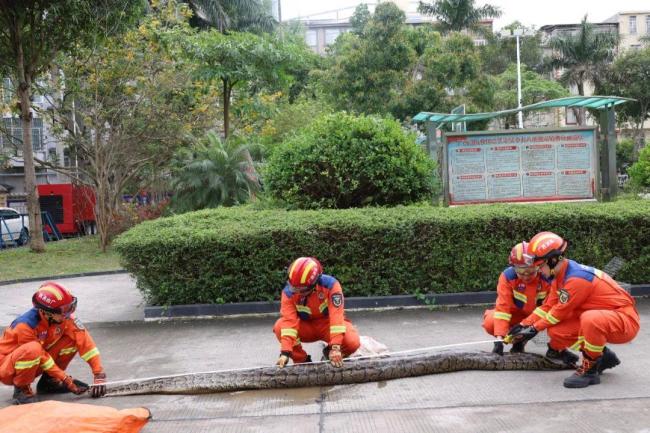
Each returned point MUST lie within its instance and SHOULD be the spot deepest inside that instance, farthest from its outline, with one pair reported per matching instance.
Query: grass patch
(69, 256)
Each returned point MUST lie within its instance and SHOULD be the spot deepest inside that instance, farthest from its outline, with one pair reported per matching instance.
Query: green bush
(343, 161)
(241, 254)
(640, 171)
(624, 154)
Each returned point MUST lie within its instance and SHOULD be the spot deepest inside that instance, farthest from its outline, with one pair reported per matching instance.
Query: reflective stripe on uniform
(551, 319)
(322, 306)
(289, 332)
(520, 297)
(23, 365)
(67, 351)
(297, 342)
(593, 348)
(90, 354)
(541, 295)
(47, 364)
(337, 329)
(502, 316)
(539, 312)
(303, 309)
(578, 344)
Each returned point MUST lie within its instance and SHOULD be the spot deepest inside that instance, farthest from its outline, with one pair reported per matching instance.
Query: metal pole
(520, 115)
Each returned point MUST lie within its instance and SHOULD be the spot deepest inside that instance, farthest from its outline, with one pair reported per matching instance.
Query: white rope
(378, 355)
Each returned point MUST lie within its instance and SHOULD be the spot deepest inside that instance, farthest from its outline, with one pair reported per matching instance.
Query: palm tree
(583, 56)
(218, 174)
(235, 15)
(457, 15)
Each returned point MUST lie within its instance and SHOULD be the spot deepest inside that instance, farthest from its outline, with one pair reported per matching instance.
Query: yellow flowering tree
(129, 104)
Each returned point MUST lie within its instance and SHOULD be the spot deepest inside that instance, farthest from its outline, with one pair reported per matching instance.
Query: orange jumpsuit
(317, 316)
(31, 345)
(516, 299)
(585, 310)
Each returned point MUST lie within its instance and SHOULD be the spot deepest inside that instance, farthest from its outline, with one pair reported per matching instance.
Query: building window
(311, 37)
(570, 116)
(11, 134)
(647, 24)
(633, 25)
(331, 35)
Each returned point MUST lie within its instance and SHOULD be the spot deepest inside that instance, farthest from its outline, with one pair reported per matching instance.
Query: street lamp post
(520, 115)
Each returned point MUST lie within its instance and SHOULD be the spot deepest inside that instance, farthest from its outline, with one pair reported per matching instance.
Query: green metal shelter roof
(595, 102)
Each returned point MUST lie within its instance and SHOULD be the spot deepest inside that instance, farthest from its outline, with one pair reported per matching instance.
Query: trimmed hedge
(241, 254)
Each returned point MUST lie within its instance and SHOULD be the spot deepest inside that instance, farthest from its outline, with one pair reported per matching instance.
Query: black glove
(523, 333)
(498, 348)
(515, 329)
(99, 385)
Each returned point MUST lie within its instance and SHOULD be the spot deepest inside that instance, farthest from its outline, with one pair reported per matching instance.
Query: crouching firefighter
(519, 291)
(312, 309)
(585, 310)
(42, 342)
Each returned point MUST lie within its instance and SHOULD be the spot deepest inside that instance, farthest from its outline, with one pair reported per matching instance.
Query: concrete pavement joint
(321, 408)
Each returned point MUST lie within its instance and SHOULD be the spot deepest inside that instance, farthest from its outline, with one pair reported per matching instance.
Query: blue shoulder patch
(510, 273)
(287, 290)
(327, 281)
(576, 270)
(31, 318)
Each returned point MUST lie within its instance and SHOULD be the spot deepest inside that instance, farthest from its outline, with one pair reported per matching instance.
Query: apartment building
(633, 27)
(45, 146)
(322, 29)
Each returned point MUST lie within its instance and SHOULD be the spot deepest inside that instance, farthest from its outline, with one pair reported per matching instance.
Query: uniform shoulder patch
(78, 324)
(337, 299)
(563, 296)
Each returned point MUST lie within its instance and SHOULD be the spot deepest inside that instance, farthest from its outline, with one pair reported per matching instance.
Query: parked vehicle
(14, 227)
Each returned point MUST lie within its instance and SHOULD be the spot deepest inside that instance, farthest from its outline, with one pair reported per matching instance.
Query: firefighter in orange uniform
(520, 289)
(43, 341)
(312, 310)
(586, 309)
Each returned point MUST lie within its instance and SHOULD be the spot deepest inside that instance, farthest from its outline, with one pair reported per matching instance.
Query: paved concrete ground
(105, 298)
(473, 401)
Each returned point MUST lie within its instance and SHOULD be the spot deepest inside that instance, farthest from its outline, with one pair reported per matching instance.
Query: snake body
(323, 374)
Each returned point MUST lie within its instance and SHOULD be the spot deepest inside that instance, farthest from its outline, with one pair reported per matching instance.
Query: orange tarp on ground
(59, 417)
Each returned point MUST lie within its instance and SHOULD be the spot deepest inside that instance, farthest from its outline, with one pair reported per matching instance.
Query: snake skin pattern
(324, 374)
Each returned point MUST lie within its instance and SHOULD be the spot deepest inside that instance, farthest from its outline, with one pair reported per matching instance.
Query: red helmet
(546, 247)
(54, 298)
(519, 255)
(304, 272)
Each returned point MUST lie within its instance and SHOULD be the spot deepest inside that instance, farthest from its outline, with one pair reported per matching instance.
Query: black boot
(565, 356)
(608, 360)
(24, 395)
(518, 347)
(326, 354)
(587, 374)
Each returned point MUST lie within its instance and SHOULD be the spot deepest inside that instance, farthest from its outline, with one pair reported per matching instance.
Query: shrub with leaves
(217, 173)
(344, 161)
(640, 171)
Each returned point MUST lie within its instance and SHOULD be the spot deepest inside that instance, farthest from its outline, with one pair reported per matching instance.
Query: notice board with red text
(520, 166)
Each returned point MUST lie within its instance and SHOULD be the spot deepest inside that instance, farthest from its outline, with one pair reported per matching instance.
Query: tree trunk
(639, 137)
(36, 243)
(227, 89)
(102, 215)
(580, 112)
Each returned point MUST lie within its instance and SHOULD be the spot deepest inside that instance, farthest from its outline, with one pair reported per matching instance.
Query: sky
(529, 12)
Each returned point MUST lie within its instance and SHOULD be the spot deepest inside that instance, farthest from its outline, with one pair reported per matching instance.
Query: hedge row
(241, 254)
